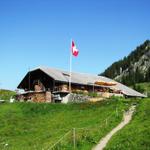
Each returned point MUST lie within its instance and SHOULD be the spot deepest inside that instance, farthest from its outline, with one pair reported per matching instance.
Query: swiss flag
(74, 50)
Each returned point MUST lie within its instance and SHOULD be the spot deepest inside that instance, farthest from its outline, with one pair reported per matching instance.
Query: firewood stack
(39, 97)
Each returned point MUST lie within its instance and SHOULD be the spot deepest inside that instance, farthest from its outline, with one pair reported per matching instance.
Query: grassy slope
(145, 87)
(136, 135)
(6, 94)
(36, 126)
(142, 88)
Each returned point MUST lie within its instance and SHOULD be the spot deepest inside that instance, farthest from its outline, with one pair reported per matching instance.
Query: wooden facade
(39, 87)
(43, 84)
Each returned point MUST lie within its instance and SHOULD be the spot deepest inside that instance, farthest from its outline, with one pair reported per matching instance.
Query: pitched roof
(86, 79)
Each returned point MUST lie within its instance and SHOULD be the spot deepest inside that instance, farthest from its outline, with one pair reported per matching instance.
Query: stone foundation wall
(77, 98)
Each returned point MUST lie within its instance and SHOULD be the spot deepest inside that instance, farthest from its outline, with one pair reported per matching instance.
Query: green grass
(29, 126)
(136, 135)
(145, 85)
(6, 94)
(143, 88)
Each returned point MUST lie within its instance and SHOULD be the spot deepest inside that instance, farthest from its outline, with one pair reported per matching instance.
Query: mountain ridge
(134, 68)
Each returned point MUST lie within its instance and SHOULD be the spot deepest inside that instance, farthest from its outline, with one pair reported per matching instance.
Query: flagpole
(70, 68)
(29, 78)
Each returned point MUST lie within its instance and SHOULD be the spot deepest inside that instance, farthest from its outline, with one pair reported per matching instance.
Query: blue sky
(38, 32)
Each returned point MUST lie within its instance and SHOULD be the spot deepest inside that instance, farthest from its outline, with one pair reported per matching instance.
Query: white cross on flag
(74, 50)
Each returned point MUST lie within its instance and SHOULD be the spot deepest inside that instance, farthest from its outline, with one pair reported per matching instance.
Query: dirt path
(126, 119)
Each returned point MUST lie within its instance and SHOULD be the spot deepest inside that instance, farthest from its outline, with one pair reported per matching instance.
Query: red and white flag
(74, 50)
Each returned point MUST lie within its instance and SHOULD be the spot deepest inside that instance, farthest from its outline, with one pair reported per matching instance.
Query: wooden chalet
(48, 84)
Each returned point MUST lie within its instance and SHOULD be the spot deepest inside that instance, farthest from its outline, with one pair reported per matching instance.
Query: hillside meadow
(143, 88)
(29, 126)
(6, 94)
(136, 135)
